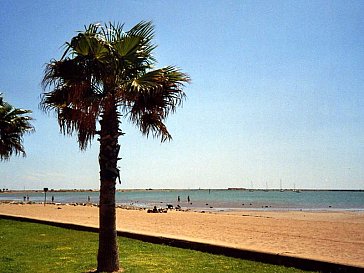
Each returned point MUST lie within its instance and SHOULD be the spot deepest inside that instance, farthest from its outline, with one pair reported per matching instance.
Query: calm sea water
(215, 199)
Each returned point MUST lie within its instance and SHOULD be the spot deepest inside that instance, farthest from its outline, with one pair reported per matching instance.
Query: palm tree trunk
(108, 253)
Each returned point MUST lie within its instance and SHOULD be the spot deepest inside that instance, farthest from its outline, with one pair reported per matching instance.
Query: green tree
(106, 73)
(14, 123)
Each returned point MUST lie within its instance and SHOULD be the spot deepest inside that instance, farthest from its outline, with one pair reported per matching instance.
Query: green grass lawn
(29, 247)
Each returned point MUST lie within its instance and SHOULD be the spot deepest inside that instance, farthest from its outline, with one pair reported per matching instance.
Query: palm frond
(14, 124)
(75, 120)
(143, 29)
(112, 32)
(151, 123)
(161, 88)
(104, 64)
(145, 32)
(152, 97)
(75, 96)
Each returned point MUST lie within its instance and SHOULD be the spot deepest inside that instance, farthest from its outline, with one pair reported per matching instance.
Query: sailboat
(294, 189)
(280, 182)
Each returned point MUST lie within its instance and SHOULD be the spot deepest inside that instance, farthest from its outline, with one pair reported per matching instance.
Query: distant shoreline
(204, 199)
(176, 190)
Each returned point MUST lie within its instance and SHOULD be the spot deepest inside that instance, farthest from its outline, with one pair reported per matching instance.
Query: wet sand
(326, 236)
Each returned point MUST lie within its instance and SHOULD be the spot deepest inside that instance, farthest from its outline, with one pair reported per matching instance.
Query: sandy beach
(327, 236)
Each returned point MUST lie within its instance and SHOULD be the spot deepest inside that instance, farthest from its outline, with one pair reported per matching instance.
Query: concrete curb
(276, 259)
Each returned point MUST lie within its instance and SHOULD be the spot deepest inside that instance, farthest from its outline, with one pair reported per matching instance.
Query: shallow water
(213, 199)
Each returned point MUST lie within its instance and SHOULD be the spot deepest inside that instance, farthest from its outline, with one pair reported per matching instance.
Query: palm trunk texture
(108, 253)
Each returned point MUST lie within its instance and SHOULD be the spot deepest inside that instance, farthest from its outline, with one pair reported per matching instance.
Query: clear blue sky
(277, 93)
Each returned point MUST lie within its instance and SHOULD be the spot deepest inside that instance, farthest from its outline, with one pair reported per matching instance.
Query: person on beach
(52, 199)
(88, 199)
(24, 197)
(179, 199)
(188, 199)
(27, 198)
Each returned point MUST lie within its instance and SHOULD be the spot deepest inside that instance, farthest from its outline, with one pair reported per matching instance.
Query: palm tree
(106, 73)
(14, 123)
